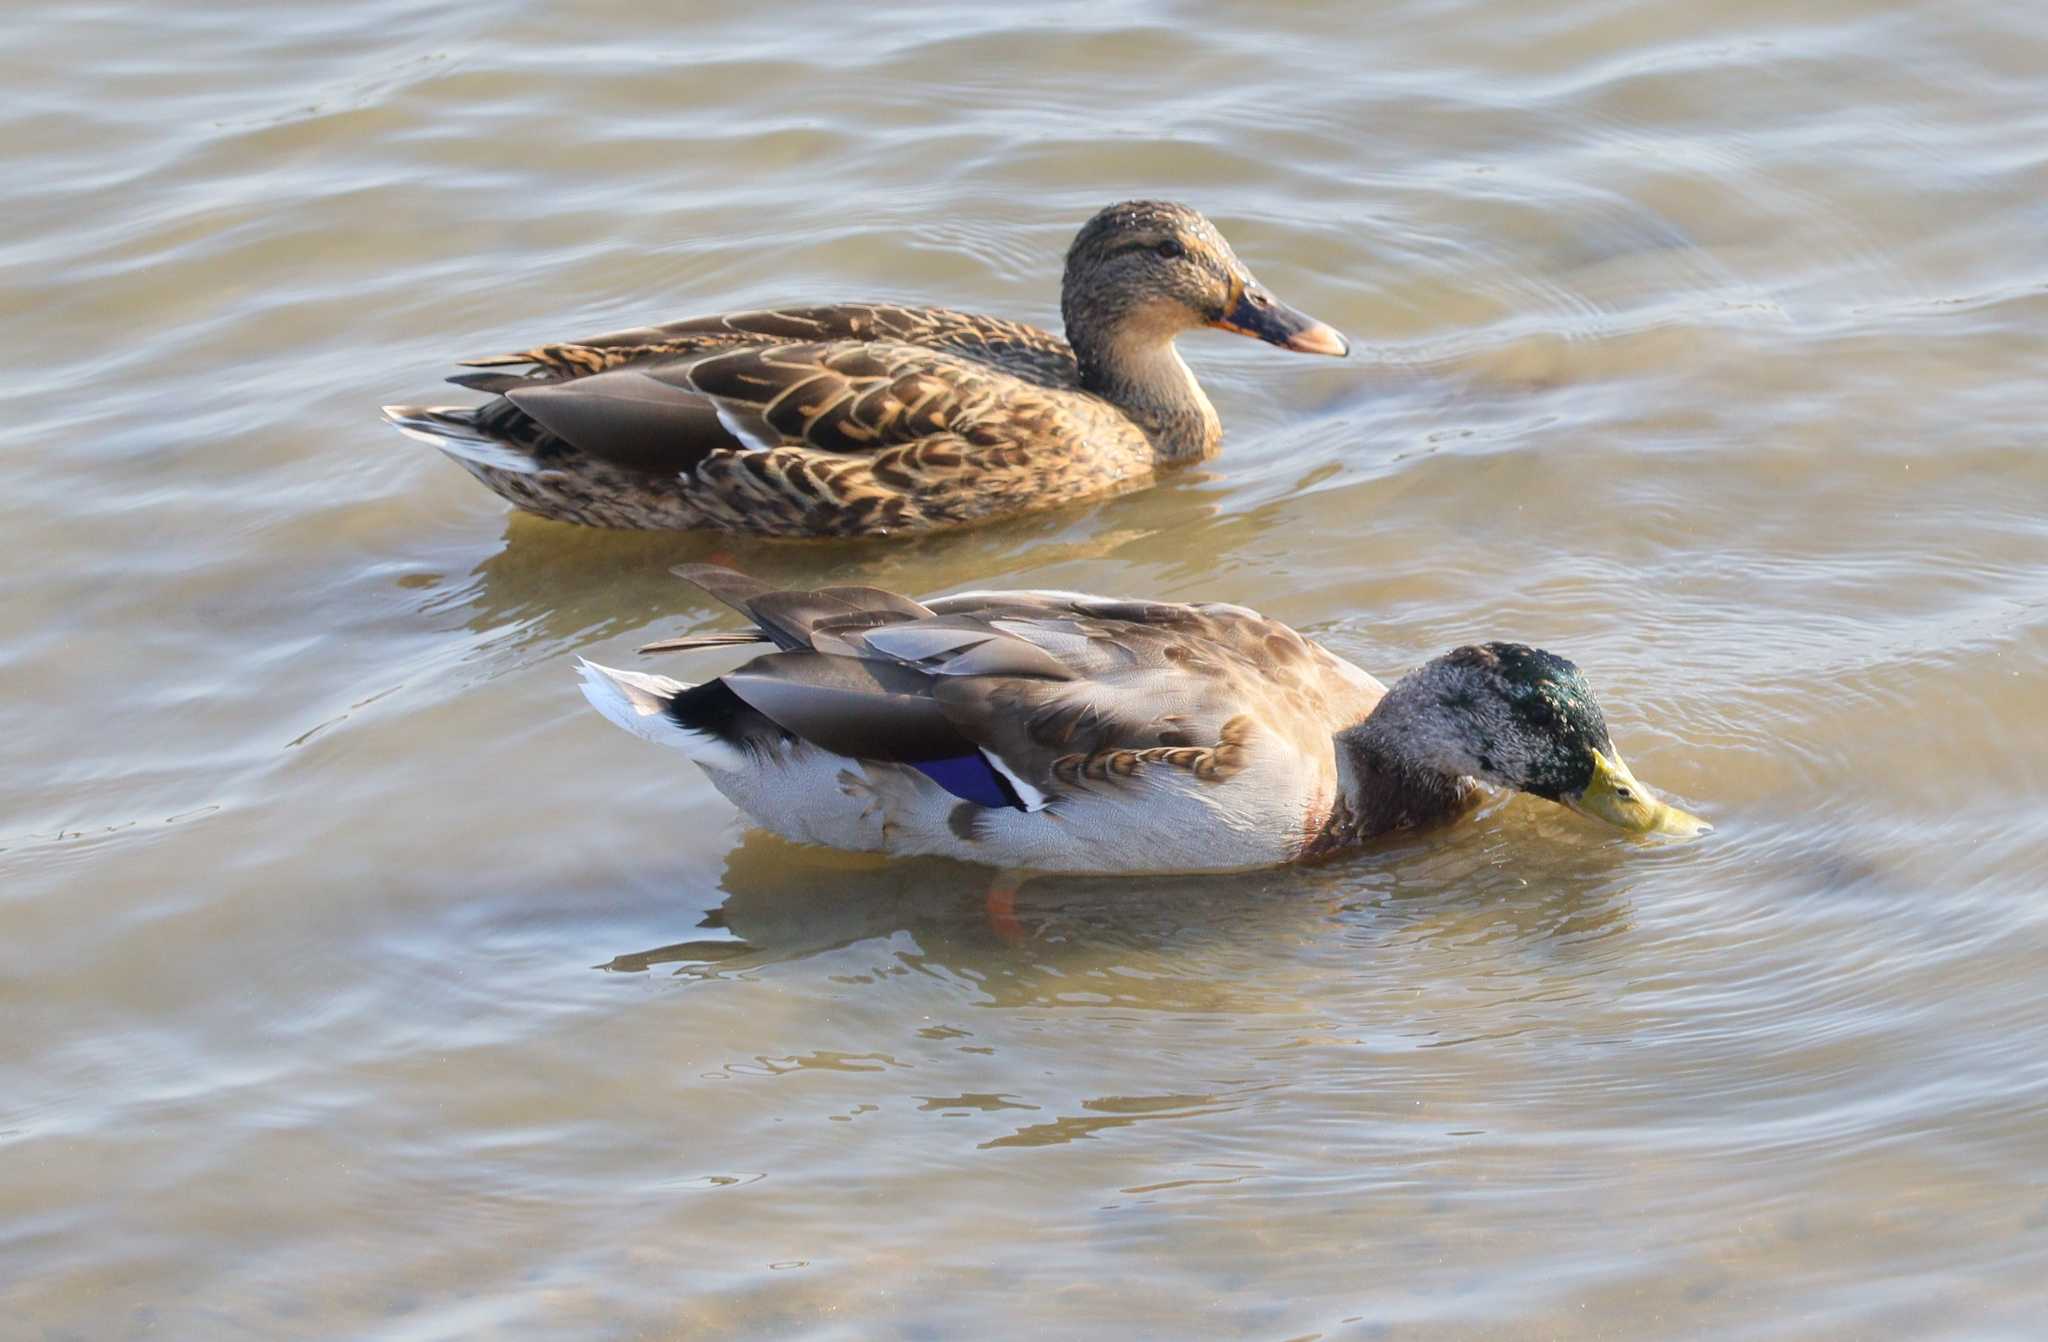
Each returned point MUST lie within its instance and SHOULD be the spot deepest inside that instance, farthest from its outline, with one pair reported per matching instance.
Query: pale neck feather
(1143, 375)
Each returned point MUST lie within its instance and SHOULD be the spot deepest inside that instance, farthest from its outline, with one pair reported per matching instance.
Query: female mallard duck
(862, 419)
(1060, 732)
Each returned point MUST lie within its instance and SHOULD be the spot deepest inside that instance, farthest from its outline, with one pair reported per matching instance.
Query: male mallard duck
(862, 419)
(1060, 732)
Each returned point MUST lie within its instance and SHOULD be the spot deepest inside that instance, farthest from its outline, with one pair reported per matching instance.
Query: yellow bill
(1616, 797)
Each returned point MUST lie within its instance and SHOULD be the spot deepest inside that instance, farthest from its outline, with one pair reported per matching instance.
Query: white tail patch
(637, 702)
(442, 426)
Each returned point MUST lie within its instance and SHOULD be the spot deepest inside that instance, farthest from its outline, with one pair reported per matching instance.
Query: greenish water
(361, 982)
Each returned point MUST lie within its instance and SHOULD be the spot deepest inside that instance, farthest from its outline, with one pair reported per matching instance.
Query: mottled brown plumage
(863, 419)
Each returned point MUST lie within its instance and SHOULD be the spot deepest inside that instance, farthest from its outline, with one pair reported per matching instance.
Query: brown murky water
(360, 982)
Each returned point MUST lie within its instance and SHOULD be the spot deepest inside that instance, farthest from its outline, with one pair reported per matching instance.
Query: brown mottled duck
(855, 419)
(1054, 731)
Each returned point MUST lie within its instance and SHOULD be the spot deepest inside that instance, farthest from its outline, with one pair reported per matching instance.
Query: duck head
(1521, 718)
(1142, 272)
(1151, 269)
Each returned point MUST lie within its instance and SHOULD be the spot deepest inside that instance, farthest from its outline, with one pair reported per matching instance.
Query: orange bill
(1256, 313)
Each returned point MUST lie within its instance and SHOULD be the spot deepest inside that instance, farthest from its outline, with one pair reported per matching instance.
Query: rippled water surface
(359, 981)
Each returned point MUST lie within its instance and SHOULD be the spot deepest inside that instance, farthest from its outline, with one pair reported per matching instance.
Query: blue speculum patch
(972, 778)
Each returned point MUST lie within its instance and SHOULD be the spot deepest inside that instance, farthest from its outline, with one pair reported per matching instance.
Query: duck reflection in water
(785, 903)
(555, 588)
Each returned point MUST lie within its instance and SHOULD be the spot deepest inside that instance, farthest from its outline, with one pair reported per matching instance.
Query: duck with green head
(867, 418)
(1055, 731)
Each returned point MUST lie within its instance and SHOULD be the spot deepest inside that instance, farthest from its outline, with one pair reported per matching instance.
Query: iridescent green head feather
(1522, 718)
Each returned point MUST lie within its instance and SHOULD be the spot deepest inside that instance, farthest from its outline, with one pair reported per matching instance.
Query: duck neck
(1143, 375)
(1390, 776)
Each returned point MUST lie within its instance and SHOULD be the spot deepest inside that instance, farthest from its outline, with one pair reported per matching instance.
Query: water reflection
(1498, 889)
(567, 586)
(784, 902)
(1695, 341)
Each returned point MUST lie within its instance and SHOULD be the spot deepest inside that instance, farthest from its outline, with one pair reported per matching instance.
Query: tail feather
(453, 429)
(689, 642)
(639, 703)
(497, 384)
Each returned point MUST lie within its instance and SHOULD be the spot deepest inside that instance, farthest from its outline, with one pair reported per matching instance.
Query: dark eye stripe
(1126, 248)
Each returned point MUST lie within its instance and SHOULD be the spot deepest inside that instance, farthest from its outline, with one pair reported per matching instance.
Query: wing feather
(1059, 691)
(846, 399)
(851, 706)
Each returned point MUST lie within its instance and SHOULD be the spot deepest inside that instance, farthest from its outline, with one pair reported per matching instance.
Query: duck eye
(1171, 249)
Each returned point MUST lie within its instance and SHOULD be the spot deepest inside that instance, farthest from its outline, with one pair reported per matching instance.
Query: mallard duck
(1055, 731)
(858, 419)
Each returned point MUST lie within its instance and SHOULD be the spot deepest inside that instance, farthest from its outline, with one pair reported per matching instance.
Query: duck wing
(1013, 698)
(844, 399)
(1156, 685)
(1024, 351)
